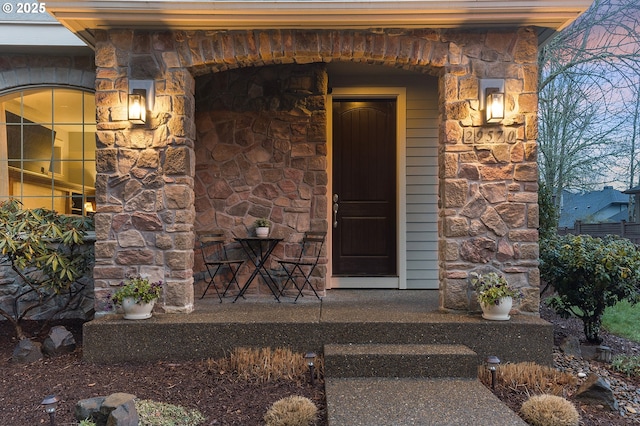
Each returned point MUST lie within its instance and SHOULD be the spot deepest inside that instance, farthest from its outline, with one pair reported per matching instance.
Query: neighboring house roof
(84, 16)
(607, 205)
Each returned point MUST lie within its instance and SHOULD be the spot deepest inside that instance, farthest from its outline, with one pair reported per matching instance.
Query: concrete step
(399, 360)
(385, 401)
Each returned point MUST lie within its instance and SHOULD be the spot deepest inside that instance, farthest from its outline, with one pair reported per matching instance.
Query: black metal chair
(305, 264)
(214, 255)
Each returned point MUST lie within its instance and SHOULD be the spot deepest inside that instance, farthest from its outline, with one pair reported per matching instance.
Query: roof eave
(83, 17)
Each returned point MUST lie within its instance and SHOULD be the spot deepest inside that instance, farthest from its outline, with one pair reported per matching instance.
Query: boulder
(596, 352)
(117, 409)
(595, 390)
(59, 341)
(90, 409)
(26, 351)
(570, 345)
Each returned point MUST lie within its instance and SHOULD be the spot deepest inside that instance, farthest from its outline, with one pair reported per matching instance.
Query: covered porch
(372, 317)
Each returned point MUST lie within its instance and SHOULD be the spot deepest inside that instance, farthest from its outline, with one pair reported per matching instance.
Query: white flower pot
(499, 312)
(262, 232)
(136, 311)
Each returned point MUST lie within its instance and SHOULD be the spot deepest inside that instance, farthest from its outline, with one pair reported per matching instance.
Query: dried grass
(549, 410)
(530, 378)
(266, 364)
(291, 411)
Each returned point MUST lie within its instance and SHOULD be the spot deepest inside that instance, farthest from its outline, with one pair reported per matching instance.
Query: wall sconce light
(492, 99)
(49, 404)
(492, 364)
(137, 106)
(140, 100)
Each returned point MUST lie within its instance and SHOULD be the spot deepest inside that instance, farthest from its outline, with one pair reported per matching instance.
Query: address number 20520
(489, 135)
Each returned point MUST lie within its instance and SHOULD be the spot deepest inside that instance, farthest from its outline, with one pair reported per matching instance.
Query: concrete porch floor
(342, 316)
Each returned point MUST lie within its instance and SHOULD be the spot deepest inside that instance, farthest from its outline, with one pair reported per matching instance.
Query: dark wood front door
(364, 188)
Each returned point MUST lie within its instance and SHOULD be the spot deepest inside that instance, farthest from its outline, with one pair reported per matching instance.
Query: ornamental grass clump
(491, 287)
(266, 365)
(141, 290)
(528, 378)
(291, 411)
(549, 410)
(153, 413)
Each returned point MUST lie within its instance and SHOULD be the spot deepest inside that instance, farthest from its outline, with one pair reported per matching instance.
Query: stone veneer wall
(145, 190)
(261, 152)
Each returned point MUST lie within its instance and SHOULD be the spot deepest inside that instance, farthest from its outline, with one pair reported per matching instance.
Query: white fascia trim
(333, 14)
(41, 34)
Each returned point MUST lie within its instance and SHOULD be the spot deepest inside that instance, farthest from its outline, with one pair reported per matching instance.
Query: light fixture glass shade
(492, 361)
(494, 106)
(137, 107)
(50, 402)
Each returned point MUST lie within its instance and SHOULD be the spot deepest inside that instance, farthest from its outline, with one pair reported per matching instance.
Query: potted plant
(494, 295)
(262, 227)
(137, 296)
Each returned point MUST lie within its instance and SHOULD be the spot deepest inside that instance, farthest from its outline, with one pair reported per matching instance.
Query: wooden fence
(623, 229)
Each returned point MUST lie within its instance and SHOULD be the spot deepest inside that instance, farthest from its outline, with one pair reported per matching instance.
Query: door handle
(335, 210)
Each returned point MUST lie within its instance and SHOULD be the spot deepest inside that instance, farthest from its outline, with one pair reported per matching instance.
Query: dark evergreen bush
(590, 274)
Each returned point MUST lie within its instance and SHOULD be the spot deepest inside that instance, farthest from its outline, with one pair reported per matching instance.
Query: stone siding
(488, 187)
(21, 71)
(261, 152)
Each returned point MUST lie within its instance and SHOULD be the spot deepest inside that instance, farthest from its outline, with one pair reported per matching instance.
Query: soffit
(84, 16)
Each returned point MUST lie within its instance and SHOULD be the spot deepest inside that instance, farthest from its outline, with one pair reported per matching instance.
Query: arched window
(47, 148)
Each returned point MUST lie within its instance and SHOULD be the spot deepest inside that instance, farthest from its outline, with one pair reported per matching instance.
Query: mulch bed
(220, 396)
(590, 415)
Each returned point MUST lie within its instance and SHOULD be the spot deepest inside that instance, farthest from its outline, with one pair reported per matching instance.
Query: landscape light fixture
(492, 100)
(492, 364)
(50, 403)
(310, 357)
(140, 100)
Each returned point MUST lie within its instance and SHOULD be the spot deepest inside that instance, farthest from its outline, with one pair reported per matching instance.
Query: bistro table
(258, 251)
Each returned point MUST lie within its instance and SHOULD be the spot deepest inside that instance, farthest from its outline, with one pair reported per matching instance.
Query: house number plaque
(493, 134)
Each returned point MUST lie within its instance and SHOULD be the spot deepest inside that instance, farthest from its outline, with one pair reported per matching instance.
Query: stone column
(144, 183)
(488, 173)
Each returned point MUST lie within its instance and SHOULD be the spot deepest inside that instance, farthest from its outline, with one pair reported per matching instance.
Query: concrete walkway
(405, 401)
(414, 402)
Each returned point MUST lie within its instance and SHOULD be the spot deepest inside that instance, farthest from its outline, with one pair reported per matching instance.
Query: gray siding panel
(422, 186)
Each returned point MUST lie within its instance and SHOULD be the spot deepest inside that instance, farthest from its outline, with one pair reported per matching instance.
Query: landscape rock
(59, 341)
(117, 409)
(570, 345)
(90, 409)
(596, 390)
(596, 353)
(26, 352)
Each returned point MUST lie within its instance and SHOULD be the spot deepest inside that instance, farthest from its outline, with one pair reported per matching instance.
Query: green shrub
(45, 249)
(589, 274)
(627, 364)
(291, 411)
(549, 410)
